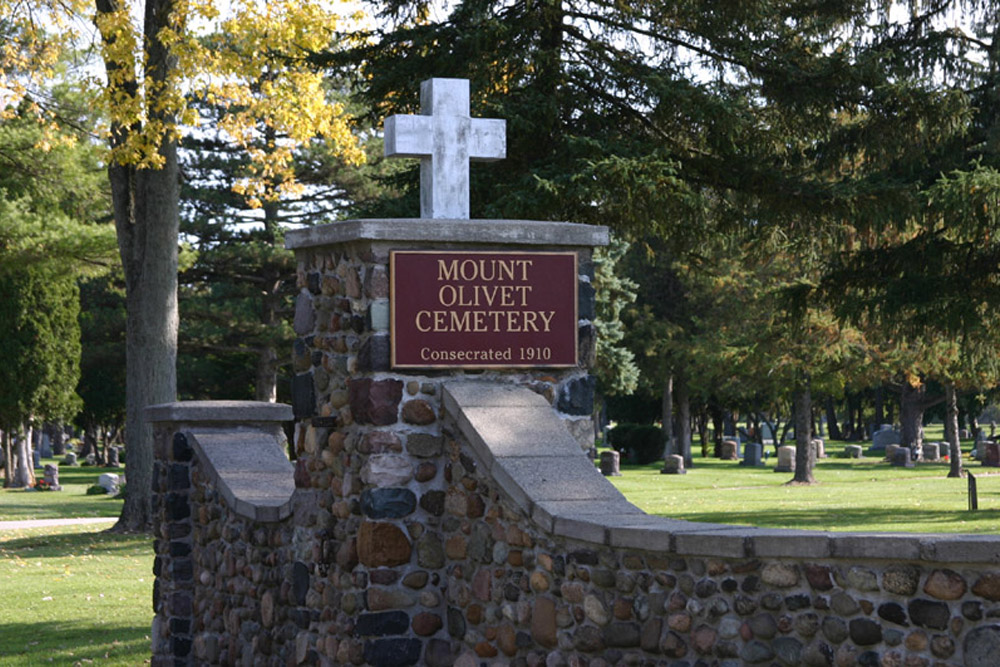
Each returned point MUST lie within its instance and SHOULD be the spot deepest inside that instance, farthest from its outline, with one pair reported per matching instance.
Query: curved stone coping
(249, 468)
(529, 452)
(219, 411)
(528, 232)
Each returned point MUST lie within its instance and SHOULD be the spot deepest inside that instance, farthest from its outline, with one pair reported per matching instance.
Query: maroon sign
(483, 309)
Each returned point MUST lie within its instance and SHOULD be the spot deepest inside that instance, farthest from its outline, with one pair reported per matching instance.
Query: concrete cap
(502, 232)
(219, 411)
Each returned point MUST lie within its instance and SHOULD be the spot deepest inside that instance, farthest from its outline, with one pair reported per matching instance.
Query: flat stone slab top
(250, 470)
(219, 411)
(525, 446)
(491, 232)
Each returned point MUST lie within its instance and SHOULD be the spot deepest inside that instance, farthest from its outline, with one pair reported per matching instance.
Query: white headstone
(445, 138)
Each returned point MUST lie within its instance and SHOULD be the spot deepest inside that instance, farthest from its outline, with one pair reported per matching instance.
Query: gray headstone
(610, 463)
(853, 451)
(766, 434)
(37, 458)
(902, 457)
(729, 450)
(45, 447)
(52, 477)
(885, 437)
(109, 481)
(113, 461)
(753, 454)
(673, 464)
(932, 451)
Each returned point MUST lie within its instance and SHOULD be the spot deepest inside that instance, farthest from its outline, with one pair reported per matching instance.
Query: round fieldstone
(780, 575)
(981, 646)
(763, 626)
(426, 471)
(820, 577)
(988, 586)
(387, 470)
(797, 602)
(381, 624)
(621, 634)
(843, 604)
(901, 579)
(892, 637)
(788, 650)
(382, 599)
(929, 614)
(430, 552)
(834, 629)
(817, 654)
(380, 442)
(433, 502)
(893, 612)
(771, 601)
(942, 646)
(595, 611)
(426, 623)
(862, 579)
(649, 637)
(807, 624)
(388, 503)
(756, 652)
(972, 610)
(673, 645)
(703, 639)
(870, 659)
(418, 412)
(424, 445)
(300, 582)
(945, 585)
(706, 588)
(382, 545)
(865, 631)
(543, 622)
(744, 605)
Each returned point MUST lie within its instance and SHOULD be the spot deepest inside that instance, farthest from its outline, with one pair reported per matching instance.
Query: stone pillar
(176, 521)
(371, 446)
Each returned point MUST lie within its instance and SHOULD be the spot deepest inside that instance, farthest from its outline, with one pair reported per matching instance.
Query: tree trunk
(805, 455)
(951, 430)
(667, 414)
(831, 420)
(879, 407)
(24, 464)
(684, 420)
(57, 436)
(8, 458)
(266, 387)
(911, 413)
(703, 431)
(147, 221)
(89, 443)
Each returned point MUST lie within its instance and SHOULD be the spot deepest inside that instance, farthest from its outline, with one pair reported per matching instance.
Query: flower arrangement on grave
(42, 485)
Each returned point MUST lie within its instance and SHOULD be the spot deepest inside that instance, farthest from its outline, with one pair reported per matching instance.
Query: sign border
(392, 309)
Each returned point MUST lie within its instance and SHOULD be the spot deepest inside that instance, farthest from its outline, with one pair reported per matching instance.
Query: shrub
(641, 443)
(96, 490)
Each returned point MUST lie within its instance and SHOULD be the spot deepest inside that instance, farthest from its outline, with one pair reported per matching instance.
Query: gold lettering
(459, 322)
(547, 318)
(446, 302)
(447, 271)
(421, 327)
(529, 320)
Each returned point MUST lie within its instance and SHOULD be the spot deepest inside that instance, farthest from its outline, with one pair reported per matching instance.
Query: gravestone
(45, 446)
(786, 459)
(819, 448)
(110, 482)
(853, 451)
(37, 458)
(673, 464)
(981, 436)
(113, 460)
(902, 457)
(963, 434)
(885, 437)
(728, 450)
(52, 477)
(989, 454)
(890, 451)
(931, 451)
(610, 463)
(767, 434)
(753, 454)
(70, 459)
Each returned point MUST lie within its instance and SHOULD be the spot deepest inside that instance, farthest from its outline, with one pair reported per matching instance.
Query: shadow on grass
(847, 519)
(76, 543)
(61, 642)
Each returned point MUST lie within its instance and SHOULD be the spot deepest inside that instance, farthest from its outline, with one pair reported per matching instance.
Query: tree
(40, 352)
(150, 64)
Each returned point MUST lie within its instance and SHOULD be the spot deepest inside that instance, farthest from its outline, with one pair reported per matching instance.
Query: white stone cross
(445, 138)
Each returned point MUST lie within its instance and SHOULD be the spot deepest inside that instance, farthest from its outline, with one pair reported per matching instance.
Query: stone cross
(445, 138)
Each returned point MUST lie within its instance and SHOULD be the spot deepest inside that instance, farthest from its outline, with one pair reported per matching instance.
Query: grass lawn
(851, 494)
(74, 595)
(72, 501)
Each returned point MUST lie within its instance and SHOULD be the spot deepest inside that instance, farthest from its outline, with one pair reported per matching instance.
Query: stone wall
(470, 549)
(453, 517)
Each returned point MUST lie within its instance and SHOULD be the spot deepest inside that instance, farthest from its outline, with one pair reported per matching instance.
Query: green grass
(851, 495)
(74, 596)
(71, 502)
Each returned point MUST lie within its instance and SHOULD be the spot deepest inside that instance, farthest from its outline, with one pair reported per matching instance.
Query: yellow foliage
(251, 60)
